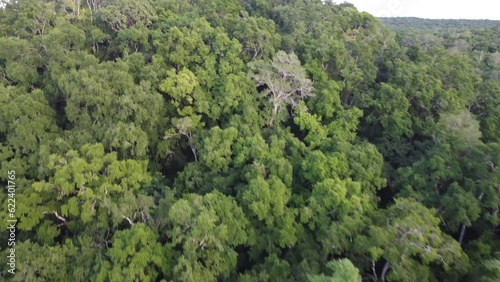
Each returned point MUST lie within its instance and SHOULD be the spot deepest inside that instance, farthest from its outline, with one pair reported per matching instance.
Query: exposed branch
(129, 220)
(57, 216)
(464, 227)
(384, 270)
(462, 234)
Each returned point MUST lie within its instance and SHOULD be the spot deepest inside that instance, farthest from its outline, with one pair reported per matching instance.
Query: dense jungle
(246, 140)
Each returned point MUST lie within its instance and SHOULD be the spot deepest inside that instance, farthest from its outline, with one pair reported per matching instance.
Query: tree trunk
(374, 270)
(384, 271)
(193, 149)
(462, 234)
(275, 113)
(462, 231)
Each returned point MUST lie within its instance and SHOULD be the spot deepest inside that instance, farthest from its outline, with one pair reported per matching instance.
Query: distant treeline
(412, 22)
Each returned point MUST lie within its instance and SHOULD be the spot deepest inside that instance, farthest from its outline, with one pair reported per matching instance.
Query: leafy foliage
(227, 140)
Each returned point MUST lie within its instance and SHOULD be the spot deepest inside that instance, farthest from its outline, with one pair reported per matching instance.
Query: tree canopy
(225, 140)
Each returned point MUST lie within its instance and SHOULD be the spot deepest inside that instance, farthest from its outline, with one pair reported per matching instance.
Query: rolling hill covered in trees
(419, 23)
(231, 140)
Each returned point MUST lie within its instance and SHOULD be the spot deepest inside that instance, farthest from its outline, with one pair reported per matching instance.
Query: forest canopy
(228, 140)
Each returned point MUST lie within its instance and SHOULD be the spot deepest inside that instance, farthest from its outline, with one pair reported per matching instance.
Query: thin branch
(129, 220)
(57, 216)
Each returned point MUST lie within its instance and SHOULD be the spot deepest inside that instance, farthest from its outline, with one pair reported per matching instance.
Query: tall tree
(284, 80)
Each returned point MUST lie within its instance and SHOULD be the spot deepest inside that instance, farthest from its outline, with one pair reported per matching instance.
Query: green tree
(122, 14)
(343, 271)
(257, 35)
(407, 236)
(85, 189)
(207, 229)
(135, 255)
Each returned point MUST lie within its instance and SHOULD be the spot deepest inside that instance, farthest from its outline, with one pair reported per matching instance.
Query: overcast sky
(432, 9)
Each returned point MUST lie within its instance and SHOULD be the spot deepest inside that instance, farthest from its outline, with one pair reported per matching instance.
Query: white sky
(432, 9)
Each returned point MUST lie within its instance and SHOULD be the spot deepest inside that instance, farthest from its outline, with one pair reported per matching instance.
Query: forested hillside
(245, 140)
(419, 23)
